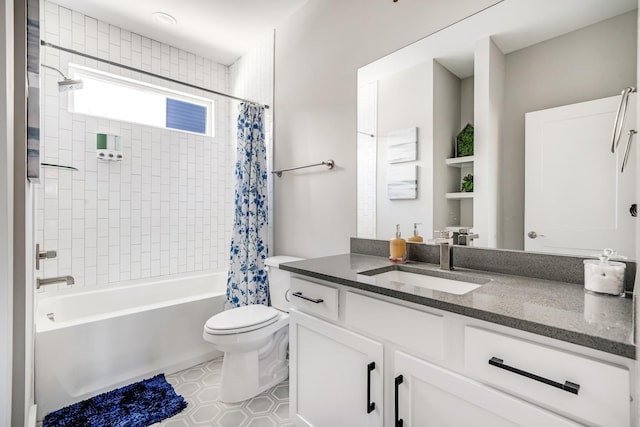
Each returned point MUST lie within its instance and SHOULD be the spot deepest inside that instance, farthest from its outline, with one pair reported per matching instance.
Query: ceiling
(221, 30)
(511, 24)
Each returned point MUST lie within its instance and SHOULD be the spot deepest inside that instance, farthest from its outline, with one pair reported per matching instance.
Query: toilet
(254, 339)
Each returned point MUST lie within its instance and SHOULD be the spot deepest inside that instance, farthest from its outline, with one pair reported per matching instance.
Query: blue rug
(137, 405)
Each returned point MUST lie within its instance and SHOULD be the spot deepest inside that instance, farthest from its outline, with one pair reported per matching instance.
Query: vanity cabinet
(428, 395)
(592, 391)
(429, 367)
(335, 375)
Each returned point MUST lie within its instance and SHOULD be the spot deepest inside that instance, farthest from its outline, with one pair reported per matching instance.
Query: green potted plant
(467, 184)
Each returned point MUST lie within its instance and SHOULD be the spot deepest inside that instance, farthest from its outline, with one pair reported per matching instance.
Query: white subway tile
(90, 240)
(77, 250)
(167, 208)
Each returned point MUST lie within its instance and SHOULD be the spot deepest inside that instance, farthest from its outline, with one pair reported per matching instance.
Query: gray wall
(446, 116)
(595, 62)
(6, 209)
(22, 369)
(318, 51)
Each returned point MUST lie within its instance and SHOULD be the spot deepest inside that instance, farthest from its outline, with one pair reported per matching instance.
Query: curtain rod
(126, 67)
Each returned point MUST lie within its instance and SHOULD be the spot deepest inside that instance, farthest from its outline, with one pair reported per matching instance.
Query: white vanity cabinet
(432, 369)
(592, 391)
(428, 395)
(335, 375)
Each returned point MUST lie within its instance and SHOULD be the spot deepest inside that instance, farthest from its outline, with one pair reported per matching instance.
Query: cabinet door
(334, 375)
(428, 395)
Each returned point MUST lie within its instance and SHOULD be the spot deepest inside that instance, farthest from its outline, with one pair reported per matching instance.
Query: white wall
(6, 209)
(405, 100)
(637, 236)
(488, 106)
(167, 207)
(318, 51)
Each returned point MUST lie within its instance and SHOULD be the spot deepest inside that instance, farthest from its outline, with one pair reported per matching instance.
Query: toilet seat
(241, 319)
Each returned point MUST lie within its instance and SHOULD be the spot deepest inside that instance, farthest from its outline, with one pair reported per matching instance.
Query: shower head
(69, 84)
(66, 84)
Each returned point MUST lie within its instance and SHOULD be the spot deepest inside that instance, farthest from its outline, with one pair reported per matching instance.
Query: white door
(576, 199)
(430, 396)
(330, 372)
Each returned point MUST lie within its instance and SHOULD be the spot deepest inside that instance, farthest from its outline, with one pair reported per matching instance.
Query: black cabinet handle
(567, 386)
(370, 405)
(398, 420)
(314, 300)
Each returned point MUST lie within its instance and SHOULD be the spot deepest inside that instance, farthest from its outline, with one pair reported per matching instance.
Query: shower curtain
(247, 282)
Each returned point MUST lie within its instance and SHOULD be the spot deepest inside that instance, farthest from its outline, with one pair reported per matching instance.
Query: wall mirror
(540, 83)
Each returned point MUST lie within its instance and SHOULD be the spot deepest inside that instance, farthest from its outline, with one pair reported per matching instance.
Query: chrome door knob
(533, 235)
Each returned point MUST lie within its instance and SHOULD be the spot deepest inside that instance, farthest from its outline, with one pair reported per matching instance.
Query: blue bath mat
(137, 405)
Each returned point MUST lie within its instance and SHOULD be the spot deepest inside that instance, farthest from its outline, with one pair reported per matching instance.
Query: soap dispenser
(604, 276)
(416, 238)
(398, 248)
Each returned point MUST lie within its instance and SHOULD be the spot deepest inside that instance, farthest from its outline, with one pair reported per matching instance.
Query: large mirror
(540, 85)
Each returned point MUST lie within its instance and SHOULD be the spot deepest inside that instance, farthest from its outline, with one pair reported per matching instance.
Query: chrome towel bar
(329, 164)
(620, 116)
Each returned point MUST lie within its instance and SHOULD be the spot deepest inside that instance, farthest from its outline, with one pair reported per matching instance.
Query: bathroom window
(119, 98)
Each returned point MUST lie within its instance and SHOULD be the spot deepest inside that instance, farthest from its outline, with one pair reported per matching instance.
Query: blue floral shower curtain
(247, 282)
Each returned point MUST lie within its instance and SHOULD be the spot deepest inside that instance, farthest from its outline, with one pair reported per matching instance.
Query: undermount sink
(435, 280)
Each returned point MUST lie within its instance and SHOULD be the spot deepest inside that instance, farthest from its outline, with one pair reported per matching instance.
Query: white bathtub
(89, 342)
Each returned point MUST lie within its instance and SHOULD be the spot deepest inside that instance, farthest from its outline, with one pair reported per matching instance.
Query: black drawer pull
(567, 386)
(314, 300)
(370, 405)
(398, 420)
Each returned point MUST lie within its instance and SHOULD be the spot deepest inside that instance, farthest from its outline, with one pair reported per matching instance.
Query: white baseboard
(31, 420)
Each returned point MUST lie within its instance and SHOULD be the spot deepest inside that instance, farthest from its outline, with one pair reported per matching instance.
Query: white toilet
(254, 339)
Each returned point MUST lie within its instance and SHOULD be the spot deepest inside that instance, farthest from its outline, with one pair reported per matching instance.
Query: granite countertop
(553, 309)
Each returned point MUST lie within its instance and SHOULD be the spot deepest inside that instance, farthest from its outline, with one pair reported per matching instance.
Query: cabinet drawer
(314, 298)
(591, 391)
(420, 332)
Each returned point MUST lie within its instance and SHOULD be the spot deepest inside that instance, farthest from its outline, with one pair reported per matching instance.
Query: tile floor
(199, 385)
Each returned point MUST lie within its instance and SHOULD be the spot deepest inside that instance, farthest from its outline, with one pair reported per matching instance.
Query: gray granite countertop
(553, 309)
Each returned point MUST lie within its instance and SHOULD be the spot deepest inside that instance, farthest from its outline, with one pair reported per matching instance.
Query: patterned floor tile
(200, 386)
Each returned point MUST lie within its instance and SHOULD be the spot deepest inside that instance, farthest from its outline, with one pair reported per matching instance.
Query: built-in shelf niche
(461, 162)
(459, 195)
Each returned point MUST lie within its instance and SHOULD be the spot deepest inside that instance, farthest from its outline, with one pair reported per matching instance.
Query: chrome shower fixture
(66, 84)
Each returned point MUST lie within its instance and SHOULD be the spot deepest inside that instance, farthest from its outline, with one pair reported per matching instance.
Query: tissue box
(604, 277)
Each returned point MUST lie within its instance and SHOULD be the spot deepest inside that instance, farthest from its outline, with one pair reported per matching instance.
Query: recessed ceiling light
(164, 18)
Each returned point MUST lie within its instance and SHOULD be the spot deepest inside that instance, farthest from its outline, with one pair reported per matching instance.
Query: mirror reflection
(540, 86)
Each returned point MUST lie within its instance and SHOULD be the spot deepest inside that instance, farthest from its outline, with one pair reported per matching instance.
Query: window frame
(81, 72)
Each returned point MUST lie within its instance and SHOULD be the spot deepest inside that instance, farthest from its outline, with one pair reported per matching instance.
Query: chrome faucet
(42, 282)
(465, 237)
(445, 256)
(442, 239)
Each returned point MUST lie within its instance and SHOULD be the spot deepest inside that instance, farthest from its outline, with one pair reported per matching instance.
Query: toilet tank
(279, 281)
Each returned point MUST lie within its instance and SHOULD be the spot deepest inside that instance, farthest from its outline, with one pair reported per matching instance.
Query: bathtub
(89, 342)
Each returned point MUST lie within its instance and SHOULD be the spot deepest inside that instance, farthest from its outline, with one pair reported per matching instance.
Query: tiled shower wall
(167, 207)
(367, 159)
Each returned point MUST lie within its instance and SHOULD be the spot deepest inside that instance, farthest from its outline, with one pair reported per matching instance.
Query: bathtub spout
(42, 282)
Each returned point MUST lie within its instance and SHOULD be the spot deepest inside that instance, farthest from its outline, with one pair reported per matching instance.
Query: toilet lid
(242, 319)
